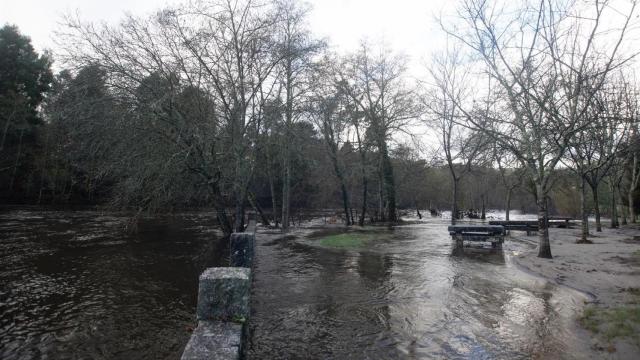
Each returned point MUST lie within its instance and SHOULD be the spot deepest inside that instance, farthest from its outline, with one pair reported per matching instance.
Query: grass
(238, 319)
(619, 322)
(346, 240)
(634, 291)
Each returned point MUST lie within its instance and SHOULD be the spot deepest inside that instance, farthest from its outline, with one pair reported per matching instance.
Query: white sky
(407, 26)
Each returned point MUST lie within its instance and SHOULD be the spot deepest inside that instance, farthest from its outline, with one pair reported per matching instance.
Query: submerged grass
(346, 240)
(613, 323)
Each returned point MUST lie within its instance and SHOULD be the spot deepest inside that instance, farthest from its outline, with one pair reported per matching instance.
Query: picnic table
(482, 233)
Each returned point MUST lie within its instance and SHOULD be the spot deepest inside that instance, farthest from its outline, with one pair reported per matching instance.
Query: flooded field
(405, 294)
(73, 287)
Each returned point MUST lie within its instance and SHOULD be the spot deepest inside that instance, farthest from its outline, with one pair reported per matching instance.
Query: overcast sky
(406, 25)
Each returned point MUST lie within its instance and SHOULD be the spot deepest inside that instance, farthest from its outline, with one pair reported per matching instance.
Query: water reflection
(408, 294)
(374, 268)
(482, 254)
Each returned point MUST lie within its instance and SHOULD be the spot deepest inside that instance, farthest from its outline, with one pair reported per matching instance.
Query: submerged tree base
(545, 252)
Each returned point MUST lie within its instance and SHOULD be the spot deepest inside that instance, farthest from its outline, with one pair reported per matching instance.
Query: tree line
(237, 105)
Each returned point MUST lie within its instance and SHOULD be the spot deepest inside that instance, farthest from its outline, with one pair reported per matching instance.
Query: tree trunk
(274, 205)
(454, 202)
(363, 173)
(596, 207)
(544, 246)
(508, 204)
(623, 209)
(633, 184)
(364, 200)
(389, 181)
(381, 205)
(17, 163)
(614, 209)
(41, 186)
(583, 212)
(632, 210)
(483, 215)
(285, 189)
(288, 114)
(343, 187)
(345, 203)
(256, 206)
(238, 218)
(218, 204)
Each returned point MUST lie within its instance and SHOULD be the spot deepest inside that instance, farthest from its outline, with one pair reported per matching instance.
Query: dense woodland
(236, 106)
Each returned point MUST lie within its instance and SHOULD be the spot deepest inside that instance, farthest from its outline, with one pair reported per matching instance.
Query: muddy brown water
(73, 287)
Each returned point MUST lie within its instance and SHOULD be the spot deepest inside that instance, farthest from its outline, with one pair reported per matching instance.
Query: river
(72, 286)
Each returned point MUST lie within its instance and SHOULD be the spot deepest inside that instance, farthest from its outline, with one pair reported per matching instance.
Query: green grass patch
(619, 322)
(346, 240)
(238, 319)
(633, 291)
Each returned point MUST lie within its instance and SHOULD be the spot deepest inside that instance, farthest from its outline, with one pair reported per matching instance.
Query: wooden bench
(561, 222)
(532, 225)
(520, 225)
(484, 233)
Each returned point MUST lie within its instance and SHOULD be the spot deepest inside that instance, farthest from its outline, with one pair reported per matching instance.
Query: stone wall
(223, 303)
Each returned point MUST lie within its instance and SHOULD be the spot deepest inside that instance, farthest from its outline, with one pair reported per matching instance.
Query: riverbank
(608, 270)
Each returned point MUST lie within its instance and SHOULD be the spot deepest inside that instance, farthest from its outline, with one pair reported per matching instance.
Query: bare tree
(460, 145)
(376, 85)
(598, 145)
(328, 113)
(510, 174)
(221, 48)
(633, 163)
(297, 47)
(547, 61)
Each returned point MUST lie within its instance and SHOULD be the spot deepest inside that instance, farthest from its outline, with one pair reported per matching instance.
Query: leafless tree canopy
(238, 105)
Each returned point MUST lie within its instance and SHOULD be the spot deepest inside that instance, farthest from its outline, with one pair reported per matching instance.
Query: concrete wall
(223, 304)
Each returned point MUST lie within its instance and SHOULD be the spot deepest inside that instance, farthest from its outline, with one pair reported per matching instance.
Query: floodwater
(407, 294)
(73, 287)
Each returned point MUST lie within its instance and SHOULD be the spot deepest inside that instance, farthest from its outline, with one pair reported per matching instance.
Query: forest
(238, 107)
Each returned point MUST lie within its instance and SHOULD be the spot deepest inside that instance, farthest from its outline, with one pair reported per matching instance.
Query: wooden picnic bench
(531, 226)
(483, 233)
(561, 221)
(520, 225)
